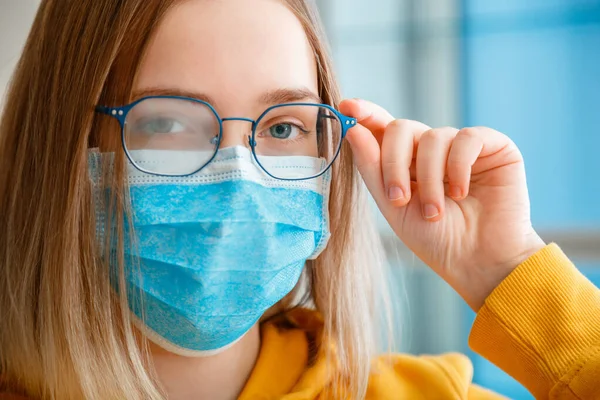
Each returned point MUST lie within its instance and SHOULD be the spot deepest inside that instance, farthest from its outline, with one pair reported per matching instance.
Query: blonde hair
(65, 334)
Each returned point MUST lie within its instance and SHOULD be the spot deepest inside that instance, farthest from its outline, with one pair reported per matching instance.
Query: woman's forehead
(233, 51)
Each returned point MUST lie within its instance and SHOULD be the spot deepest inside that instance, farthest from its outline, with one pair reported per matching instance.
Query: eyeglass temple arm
(347, 122)
(116, 112)
(103, 109)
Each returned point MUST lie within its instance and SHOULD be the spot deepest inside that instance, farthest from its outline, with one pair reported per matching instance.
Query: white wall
(16, 17)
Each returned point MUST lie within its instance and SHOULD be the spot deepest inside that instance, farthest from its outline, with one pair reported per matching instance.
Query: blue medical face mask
(213, 251)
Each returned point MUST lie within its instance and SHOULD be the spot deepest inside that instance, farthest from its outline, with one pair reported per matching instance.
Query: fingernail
(455, 192)
(430, 211)
(395, 193)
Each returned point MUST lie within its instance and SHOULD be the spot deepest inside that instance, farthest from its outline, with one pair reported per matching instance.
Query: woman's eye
(285, 131)
(161, 125)
(281, 131)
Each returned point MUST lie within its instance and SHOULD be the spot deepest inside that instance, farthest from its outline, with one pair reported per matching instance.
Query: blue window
(531, 69)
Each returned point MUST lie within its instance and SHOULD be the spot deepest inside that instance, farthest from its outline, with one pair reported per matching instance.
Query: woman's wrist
(478, 285)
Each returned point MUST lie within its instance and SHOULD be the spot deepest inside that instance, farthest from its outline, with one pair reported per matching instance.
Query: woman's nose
(236, 133)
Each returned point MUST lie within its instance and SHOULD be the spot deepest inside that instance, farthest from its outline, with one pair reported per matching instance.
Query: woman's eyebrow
(289, 95)
(272, 97)
(158, 91)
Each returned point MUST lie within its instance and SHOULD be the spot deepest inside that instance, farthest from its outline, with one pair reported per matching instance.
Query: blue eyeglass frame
(120, 114)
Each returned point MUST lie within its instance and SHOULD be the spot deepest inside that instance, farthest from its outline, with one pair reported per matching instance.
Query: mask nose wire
(251, 141)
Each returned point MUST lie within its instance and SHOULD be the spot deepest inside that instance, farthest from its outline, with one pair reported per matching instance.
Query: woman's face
(241, 57)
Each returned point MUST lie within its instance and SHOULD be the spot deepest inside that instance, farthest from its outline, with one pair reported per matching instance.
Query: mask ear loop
(324, 229)
(95, 175)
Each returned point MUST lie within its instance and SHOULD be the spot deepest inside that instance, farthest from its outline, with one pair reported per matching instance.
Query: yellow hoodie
(541, 325)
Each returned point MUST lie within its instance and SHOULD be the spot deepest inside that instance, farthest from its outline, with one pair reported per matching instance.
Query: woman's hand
(457, 198)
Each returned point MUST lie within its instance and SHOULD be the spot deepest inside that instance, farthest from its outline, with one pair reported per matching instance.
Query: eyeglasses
(156, 125)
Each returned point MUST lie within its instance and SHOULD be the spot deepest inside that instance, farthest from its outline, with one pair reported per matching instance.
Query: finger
(367, 157)
(373, 117)
(495, 144)
(398, 146)
(466, 149)
(432, 157)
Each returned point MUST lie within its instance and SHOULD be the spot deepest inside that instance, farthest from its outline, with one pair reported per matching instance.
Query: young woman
(182, 217)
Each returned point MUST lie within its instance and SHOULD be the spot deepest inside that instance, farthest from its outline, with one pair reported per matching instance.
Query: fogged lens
(171, 136)
(297, 141)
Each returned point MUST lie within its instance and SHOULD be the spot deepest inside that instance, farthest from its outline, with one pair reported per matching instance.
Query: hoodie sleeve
(542, 326)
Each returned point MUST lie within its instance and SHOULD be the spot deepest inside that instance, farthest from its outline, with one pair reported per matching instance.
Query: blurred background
(529, 68)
